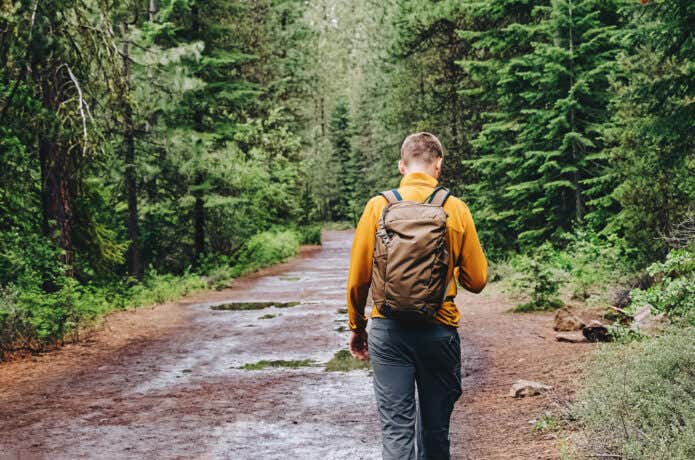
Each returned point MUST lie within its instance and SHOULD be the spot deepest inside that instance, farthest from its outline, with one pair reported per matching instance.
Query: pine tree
(650, 180)
(552, 100)
(341, 135)
(494, 33)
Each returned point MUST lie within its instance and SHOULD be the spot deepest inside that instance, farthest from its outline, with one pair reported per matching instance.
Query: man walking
(409, 245)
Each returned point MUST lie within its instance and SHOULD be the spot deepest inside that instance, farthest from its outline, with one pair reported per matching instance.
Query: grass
(264, 364)
(342, 311)
(546, 424)
(341, 329)
(637, 401)
(241, 306)
(343, 361)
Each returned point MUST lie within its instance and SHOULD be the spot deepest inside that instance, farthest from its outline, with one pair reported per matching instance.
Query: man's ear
(438, 166)
(401, 167)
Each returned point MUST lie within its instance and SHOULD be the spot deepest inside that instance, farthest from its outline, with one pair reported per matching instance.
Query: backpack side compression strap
(392, 196)
(439, 196)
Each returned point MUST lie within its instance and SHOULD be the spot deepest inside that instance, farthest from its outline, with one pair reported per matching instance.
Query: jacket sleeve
(472, 272)
(360, 274)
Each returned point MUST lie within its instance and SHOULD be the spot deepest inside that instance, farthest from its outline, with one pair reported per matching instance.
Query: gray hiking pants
(409, 356)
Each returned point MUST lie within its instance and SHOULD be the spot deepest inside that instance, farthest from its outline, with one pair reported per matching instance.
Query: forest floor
(167, 382)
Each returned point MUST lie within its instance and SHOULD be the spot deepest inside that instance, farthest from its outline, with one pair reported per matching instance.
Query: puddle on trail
(185, 395)
(319, 420)
(242, 306)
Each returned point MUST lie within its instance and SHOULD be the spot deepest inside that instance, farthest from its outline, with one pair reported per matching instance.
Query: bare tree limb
(81, 105)
(683, 234)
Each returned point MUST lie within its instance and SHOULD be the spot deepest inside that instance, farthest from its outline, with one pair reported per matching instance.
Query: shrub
(674, 290)
(638, 402)
(539, 277)
(267, 248)
(310, 234)
(218, 277)
(32, 319)
(591, 263)
(161, 288)
(585, 268)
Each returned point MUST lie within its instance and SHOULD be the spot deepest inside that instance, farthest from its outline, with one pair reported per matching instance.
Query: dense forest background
(145, 142)
(152, 147)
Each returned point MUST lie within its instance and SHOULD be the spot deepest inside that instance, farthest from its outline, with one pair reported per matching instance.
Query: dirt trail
(165, 382)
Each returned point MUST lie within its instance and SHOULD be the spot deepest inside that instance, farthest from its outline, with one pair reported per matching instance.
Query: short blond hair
(423, 148)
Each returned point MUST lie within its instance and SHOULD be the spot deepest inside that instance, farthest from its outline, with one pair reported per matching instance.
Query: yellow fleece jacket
(466, 258)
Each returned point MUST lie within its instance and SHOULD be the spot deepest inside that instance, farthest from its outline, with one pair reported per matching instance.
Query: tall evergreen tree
(538, 143)
(341, 135)
(648, 189)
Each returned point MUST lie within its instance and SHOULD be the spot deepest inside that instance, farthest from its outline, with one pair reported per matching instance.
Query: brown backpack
(410, 257)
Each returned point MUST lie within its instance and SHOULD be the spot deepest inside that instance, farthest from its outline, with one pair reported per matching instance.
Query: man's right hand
(358, 345)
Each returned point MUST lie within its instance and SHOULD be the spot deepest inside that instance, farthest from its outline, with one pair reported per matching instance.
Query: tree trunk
(152, 10)
(199, 179)
(198, 219)
(56, 197)
(134, 264)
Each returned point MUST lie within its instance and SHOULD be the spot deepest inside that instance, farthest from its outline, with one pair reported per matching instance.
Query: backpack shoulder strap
(392, 196)
(439, 196)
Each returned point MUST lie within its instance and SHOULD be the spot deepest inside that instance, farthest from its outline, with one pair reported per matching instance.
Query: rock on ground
(596, 331)
(565, 320)
(646, 324)
(522, 388)
(571, 337)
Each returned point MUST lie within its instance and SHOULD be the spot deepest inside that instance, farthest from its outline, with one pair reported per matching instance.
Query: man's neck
(427, 171)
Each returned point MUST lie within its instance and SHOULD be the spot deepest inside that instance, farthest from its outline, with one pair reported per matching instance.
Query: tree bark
(199, 219)
(153, 9)
(56, 199)
(56, 196)
(133, 255)
(199, 178)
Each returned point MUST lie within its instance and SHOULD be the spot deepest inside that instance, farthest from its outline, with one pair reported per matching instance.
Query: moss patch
(341, 329)
(290, 278)
(264, 364)
(343, 361)
(268, 316)
(237, 306)
(342, 311)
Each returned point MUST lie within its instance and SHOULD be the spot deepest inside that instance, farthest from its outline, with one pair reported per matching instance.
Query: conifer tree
(648, 187)
(341, 135)
(538, 142)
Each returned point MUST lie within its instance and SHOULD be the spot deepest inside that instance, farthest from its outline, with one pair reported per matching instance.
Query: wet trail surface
(166, 382)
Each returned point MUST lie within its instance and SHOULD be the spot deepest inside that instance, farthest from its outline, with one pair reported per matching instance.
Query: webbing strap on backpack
(392, 196)
(438, 196)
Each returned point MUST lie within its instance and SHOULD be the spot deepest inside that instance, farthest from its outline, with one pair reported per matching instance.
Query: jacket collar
(419, 178)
